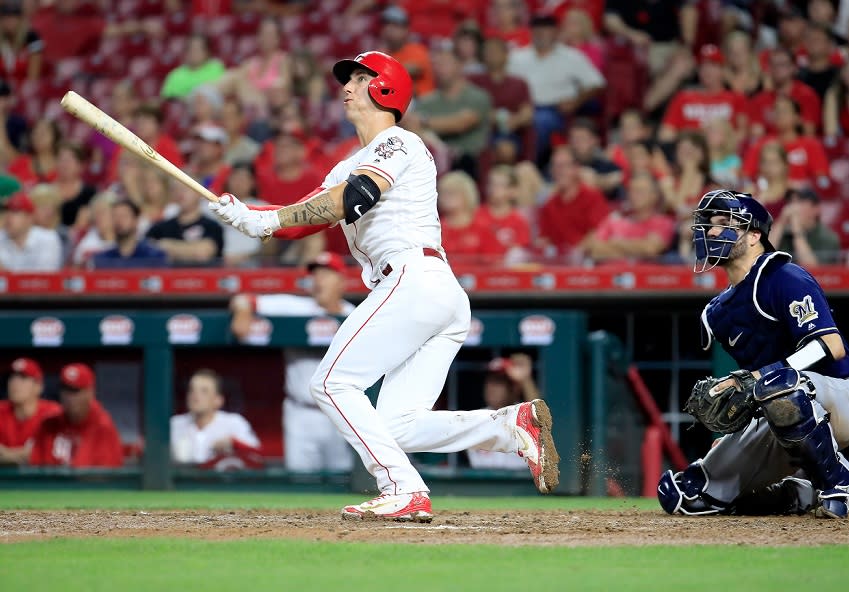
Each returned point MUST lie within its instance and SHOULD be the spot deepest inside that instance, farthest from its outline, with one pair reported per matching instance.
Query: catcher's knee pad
(801, 426)
(684, 493)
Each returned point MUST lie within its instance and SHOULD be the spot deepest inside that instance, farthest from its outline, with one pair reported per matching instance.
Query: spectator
(660, 27)
(199, 68)
(40, 165)
(508, 381)
(147, 124)
(240, 148)
(742, 73)
(643, 234)
(725, 162)
(465, 237)
(23, 413)
(83, 435)
(207, 163)
(395, 34)
(240, 249)
(821, 63)
(808, 163)
(309, 86)
(13, 127)
(205, 103)
(799, 231)
(683, 183)
(468, 43)
(123, 102)
(268, 68)
(209, 437)
(771, 182)
(190, 238)
(100, 235)
(782, 72)
(696, 108)
(561, 79)
(312, 443)
(596, 170)
(835, 119)
(500, 215)
(47, 214)
(23, 246)
(20, 46)
(290, 175)
(129, 251)
(152, 195)
(572, 210)
(457, 111)
(74, 191)
(508, 23)
(513, 111)
(577, 30)
(632, 129)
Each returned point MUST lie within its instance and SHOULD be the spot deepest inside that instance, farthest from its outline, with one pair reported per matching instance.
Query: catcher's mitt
(726, 411)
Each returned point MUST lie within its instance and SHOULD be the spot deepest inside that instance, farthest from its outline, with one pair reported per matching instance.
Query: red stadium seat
(246, 24)
(178, 23)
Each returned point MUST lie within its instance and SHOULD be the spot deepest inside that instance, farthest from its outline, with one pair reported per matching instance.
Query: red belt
(427, 251)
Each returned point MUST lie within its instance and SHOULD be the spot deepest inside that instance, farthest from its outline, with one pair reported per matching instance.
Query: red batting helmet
(391, 88)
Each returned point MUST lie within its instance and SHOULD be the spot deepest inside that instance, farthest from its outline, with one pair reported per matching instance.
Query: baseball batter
(775, 321)
(416, 316)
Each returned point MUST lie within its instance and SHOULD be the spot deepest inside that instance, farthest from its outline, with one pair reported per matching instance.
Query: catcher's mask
(742, 212)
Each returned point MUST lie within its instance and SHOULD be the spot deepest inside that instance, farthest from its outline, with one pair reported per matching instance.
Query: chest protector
(737, 320)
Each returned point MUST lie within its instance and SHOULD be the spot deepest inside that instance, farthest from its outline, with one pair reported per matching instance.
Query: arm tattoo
(321, 209)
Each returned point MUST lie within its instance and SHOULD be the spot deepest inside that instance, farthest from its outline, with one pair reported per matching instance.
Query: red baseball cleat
(536, 446)
(403, 507)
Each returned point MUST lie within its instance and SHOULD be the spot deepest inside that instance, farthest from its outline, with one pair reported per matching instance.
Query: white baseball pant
(409, 329)
(312, 441)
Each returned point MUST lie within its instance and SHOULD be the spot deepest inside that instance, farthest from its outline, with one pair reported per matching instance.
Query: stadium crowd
(565, 131)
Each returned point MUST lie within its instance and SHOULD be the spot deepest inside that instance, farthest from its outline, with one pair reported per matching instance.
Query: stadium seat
(627, 78)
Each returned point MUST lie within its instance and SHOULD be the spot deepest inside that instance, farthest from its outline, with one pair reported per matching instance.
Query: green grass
(164, 564)
(173, 500)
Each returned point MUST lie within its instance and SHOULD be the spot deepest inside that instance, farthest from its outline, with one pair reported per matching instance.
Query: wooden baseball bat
(92, 115)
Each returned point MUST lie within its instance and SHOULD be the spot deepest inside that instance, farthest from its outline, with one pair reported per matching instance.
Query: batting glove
(255, 224)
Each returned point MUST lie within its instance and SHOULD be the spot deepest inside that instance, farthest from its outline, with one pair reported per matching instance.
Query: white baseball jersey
(300, 362)
(189, 444)
(405, 216)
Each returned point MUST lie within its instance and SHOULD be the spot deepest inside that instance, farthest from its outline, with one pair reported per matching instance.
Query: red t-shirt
(474, 243)
(23, 169)
(566, 223)
(618, 226)
(761, 106)
(92, 443)
(690, 109)
(509, 231)
(280, 192)
(15, 433)
(806, 158)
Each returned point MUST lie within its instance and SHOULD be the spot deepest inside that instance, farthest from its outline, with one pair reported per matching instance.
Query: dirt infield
(571, 528)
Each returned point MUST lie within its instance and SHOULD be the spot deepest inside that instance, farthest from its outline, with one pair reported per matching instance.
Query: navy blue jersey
(777, 308)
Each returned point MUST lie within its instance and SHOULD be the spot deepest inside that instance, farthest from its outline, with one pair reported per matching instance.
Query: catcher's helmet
(391, 88)
(743, 212)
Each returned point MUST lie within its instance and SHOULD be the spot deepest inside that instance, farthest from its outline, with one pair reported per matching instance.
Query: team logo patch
(803, 311)
(47, 331)
(537, 330)
(475, 332)
(320, 330)
(184, 328)
(389, 147)
(116, 330)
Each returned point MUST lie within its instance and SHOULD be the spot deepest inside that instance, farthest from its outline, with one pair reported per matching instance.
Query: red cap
(77, 376)
(499, 365)
(711, 53)
(28, 367)
(329, 260)
(20, 202)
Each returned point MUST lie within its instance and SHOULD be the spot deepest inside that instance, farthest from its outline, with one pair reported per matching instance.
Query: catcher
(786, 412)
